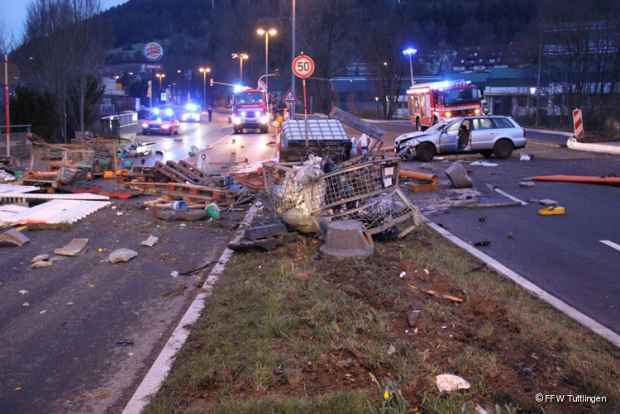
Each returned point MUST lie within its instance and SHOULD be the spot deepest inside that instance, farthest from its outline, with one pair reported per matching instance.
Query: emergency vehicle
(434, 101)
(249, 107)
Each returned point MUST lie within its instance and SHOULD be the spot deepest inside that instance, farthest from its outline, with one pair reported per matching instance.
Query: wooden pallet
(189, 192)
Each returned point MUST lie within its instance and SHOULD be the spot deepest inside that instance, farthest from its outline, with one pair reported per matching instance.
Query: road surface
(76, 337)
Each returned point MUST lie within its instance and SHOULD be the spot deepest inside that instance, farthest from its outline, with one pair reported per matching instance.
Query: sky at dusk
(13, 14)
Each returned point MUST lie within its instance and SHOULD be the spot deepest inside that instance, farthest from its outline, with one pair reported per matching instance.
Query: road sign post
(303, 67)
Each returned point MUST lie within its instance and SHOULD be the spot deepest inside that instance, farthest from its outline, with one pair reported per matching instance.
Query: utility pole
(293, 52)
(7, 113)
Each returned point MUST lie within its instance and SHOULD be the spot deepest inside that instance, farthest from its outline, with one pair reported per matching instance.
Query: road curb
(550, 132)
(540, 293)
(154, 378)
(575, 145)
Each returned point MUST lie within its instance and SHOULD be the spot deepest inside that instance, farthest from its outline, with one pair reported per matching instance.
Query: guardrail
(110, 125)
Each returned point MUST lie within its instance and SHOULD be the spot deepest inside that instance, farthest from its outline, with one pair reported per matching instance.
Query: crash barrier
(367, 191)
(110, 126)
(20, 146)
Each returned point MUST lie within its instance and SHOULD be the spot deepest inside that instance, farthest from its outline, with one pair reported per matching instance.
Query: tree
(62, 47)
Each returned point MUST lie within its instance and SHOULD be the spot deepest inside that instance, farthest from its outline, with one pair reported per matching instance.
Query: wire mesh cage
(366, 191)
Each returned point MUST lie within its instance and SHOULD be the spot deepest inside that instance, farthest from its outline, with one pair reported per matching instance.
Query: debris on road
(41, 264)
(458, 176)
(347, 238)
(73, 248)
(263, 237)
(412, 317)
(13, 237)
(606, 180)
(122, 255)
(433, 293)
(547, 202)
(552, 211)
(40, 258)
(484, 164)
(526, 157)
(527, 184)
(180, 215)
(420, 182)
(451, 383)
(483, 243)
(150, 241)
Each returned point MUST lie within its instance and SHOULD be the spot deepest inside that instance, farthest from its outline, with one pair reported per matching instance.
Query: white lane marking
(158, 372)
(513, 198)
(540, 293)
(611, 244)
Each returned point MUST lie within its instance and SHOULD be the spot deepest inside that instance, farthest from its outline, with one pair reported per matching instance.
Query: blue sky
(13, 13)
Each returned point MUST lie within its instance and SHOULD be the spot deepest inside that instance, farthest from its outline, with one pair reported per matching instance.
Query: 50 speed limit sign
(303, 66)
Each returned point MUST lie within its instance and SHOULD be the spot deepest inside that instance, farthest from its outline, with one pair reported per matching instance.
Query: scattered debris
(22, 291)
(526, 157)
(122, 255)
(41, 264)
(391, 350)
(431, 292)
(213, 211)
(458, 176)
(13, 237)
(6, 177)
(412, 317)
(484, 164)
(527, 184)
(180, 215)
(54, 212)
(421, 182)
(547, 202)
(264, 237)
(150, 241)
(451, 383)
(124, 343)
(40, 258)
(552, 211)
(174, 274)
(347, 238)
(73, 248)
(483, 243)
(609, 180)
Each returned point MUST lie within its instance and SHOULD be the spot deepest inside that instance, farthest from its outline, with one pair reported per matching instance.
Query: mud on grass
(294, 331)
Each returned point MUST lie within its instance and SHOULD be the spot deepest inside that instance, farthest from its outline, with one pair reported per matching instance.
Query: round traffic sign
(153, 51)
(303, 66)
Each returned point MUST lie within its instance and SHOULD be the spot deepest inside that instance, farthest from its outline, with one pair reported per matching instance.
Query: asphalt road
(564, 254)
(75, 337)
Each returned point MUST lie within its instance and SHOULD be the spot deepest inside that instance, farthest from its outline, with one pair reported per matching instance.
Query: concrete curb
(158, 372)
(542, 294)
(598, 148)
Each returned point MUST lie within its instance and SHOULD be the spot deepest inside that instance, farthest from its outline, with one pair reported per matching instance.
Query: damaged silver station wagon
(487, 135)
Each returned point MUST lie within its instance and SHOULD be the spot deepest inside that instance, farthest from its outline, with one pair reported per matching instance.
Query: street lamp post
(267, 34)
(204, 72)
(241, 56)
(160, 77)
(411, 52)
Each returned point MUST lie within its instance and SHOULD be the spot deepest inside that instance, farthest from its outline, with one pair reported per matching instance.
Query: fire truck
(250, 111)
(434, 101)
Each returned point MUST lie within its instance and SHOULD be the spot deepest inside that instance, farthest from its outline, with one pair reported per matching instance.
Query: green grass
(288, 332)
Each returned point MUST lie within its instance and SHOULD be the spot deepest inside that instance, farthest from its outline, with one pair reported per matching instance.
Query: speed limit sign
(303, 66)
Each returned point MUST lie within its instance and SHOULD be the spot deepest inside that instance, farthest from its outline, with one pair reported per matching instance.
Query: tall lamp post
(160, 77)
(204, 72)
(241, 56)
(267, 34)
(411, 52)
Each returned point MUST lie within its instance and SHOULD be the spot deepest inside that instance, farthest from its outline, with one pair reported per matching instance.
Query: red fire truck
(250, 110)
(431, 102)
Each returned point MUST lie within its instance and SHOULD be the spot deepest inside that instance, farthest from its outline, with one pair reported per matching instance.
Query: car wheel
(503, 149)
(487, 153)
(425, 152)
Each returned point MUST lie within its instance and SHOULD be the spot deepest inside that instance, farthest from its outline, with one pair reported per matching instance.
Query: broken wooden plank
(13, 237)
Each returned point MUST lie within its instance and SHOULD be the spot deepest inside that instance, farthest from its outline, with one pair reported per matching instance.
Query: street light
(267, 34)
(241, 56)
(204, 72)
(411, 52)
(160, 77)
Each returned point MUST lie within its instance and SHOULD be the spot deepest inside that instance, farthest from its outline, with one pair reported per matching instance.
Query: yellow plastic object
(552, 211)
(108, 174)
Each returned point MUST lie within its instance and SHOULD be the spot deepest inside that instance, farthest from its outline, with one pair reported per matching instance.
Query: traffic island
(296, 331)
(611, 148)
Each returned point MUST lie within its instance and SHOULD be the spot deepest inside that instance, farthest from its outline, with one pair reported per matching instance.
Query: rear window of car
(483, 123)
(503, 123)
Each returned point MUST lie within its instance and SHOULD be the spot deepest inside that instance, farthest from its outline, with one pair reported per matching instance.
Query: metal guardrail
(110, 125)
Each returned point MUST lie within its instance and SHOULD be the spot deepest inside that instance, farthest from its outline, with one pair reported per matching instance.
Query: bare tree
(65, 48)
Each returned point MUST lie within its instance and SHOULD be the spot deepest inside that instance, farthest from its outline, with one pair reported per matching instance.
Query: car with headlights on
(486, 135)
(161, 121)
(190, 113)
